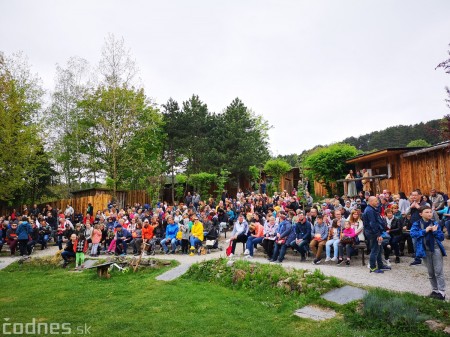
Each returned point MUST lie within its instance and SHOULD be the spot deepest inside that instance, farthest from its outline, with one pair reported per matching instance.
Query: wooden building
(290, 180)
(409, 168)
(99, 198)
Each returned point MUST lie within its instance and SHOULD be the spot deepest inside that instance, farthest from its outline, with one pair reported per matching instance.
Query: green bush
(381, 308)
(262, 277)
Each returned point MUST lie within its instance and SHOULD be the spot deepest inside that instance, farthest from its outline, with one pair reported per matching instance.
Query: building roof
(380, 154)
(95, 189)
(438, 146)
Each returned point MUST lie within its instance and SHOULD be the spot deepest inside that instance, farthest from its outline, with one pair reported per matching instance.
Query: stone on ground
(174, 273)
(345, 294)
(315, 313)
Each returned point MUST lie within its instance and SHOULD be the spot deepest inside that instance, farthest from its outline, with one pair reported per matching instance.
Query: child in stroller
(212, 239)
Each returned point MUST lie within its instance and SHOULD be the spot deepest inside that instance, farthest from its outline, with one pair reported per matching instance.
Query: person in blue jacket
(23, 231)
(171, 236)
(429, 246)
(282, 237)
(374, 226)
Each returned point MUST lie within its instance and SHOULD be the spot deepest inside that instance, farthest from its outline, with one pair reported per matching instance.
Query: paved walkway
(402, 277)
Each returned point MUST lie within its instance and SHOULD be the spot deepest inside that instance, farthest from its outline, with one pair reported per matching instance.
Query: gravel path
(402, 277)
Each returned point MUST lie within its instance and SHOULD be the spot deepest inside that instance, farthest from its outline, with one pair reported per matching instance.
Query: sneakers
(434, 294)
(249, 257)
(317, 261)
(347, 263)
(440, 297)
(397, 259)
(246, 252)
(384, 267)
(328, 259)
(415, 263)
(334, 259)
(277, 261)
(191, 253)
(231, 255)
(303, 258)
(340, 261)
(376, 271)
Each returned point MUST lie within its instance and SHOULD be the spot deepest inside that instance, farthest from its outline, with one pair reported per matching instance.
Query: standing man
(366, 182)
(188, 199)
(374, 225)
(196, 200)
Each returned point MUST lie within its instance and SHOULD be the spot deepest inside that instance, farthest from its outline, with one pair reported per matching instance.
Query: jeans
(43, 241)
(195, 242)
(30, 246)
(416, 259)
(124, 244)
(173, 243)
(335, 244)
(434, 263)
(447, 226)
(252, 242)
(302, 247)
(279, 251)
(375, 253)
(59, 241)
(348, 250)
(66, 255)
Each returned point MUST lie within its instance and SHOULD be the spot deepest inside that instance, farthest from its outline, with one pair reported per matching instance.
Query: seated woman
(171, 236)
(347, 241)
(196, 235)
(256, 236)
(357, 224)
(239, 233)
(270, 232)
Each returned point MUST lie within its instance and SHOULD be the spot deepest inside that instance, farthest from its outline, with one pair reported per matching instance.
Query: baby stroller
(212, 239)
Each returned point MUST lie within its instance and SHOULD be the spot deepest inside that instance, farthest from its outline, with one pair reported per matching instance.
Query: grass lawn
(137, 305)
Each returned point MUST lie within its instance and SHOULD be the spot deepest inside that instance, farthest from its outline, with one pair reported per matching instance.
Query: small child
(96, 238)
(347, 240)
(80, 247)
(429, 246)
(185, 233)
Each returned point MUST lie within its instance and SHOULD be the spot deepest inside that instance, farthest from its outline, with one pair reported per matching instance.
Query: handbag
(347, 240)
(229, 249)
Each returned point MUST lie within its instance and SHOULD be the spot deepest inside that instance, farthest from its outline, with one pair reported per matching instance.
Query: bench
(102, 269)
(361, 248)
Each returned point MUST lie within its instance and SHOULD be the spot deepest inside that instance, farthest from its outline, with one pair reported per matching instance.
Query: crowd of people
(328, 231)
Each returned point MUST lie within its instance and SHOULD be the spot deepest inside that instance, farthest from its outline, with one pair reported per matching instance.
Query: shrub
(261, 277)
(380, 307)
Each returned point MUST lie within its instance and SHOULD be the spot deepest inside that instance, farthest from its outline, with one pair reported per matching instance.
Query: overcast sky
(318, 71)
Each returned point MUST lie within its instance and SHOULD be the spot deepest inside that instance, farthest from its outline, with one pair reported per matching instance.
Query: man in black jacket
(302, 231)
